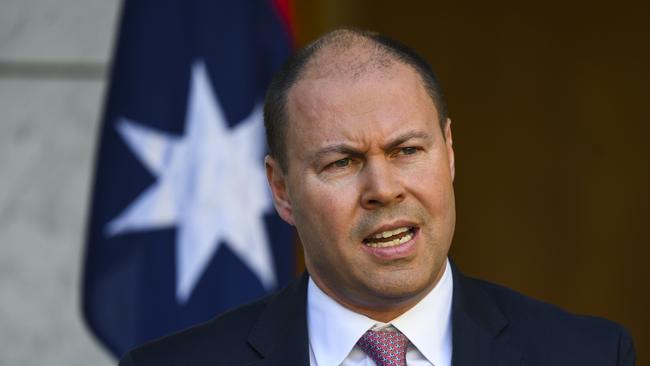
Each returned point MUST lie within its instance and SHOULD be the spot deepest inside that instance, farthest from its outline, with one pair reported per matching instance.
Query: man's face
(368, 186)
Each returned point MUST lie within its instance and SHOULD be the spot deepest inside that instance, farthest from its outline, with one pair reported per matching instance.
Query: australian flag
(182, 225)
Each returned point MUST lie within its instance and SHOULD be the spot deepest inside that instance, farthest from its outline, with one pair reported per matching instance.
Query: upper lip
(392, 226)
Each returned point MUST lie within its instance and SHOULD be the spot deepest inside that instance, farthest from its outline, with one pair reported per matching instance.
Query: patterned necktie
(385, 347)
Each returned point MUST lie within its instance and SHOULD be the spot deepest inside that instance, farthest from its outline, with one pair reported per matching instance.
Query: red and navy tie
(385, 347)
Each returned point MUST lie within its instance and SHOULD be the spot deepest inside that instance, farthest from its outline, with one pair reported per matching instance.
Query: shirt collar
(334, 329)
(428, 324)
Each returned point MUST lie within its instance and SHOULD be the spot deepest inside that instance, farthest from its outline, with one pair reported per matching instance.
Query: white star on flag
(210, 184)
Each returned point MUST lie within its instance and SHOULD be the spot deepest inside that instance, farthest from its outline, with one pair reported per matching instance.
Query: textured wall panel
(64, 30)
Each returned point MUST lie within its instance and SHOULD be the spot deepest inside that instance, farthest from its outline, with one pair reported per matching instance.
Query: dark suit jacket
(491, 325)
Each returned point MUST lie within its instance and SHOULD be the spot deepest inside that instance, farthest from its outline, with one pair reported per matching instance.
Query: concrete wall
(53, 58)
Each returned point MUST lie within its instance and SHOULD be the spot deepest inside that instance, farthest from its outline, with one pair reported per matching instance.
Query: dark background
(549, 103)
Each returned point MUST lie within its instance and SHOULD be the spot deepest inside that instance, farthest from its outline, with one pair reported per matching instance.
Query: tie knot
(385, 347)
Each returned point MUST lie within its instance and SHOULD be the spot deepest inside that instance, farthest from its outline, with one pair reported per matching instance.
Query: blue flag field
(182, 225)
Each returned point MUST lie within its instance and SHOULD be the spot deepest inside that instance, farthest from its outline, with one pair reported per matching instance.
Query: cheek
(323, 223)
(325, 209)
(432, 187)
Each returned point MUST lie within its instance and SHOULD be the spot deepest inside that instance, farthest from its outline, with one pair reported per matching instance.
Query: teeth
(389, 233)
(392, 243)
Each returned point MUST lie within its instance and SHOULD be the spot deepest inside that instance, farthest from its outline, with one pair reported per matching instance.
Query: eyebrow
(341, 149)
(406, 136)
(344, 149)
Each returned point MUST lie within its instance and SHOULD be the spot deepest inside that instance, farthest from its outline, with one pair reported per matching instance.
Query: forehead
(380, 101)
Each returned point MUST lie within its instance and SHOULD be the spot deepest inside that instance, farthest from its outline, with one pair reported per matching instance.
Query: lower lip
(395, 252)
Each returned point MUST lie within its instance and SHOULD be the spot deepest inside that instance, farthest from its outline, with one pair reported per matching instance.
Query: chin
(404, 287)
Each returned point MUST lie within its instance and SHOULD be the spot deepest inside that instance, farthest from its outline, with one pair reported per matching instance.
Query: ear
(278, 185)
(449, 142)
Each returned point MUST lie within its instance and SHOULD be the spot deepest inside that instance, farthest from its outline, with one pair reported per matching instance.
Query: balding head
(345, 54)
(341, 54)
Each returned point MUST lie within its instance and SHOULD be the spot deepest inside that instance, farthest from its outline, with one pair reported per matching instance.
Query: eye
(408, 150)
(340, 166)
(341, 163)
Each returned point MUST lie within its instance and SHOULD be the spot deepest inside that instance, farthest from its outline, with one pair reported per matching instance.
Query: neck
(382, 309)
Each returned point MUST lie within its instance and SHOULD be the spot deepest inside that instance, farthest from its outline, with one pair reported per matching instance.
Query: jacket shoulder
(550, 333)
(218, 340)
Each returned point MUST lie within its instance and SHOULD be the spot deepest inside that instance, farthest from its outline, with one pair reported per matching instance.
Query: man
(361, 163)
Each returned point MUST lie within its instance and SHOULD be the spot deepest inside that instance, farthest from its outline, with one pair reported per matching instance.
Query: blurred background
(549, 103)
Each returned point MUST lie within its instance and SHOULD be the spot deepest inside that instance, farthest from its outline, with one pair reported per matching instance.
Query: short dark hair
(275, 111)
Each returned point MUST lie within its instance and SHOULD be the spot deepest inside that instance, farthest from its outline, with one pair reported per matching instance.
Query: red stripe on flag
(285, 9)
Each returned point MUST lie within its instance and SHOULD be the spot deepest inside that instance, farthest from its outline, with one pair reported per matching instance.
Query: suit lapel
(479, 328)
(280, 334)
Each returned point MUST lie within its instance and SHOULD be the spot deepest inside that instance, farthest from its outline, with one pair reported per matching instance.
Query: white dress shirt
(334, 329)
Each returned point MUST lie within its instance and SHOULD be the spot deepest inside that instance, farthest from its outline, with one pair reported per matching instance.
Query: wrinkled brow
(345, 149)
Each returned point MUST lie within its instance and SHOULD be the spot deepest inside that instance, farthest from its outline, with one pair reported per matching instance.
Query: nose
(382, 185)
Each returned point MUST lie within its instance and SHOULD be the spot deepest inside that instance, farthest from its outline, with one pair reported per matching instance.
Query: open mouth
(390, 238)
